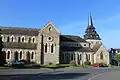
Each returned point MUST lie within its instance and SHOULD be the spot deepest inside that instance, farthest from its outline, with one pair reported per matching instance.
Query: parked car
(99, 65)
(16, 63)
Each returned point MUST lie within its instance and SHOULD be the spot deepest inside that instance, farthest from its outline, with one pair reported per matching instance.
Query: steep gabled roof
(19, 31)
(71, 38)
(96, 47)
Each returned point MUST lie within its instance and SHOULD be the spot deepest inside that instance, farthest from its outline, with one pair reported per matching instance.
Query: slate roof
(77, 49)
(20, 45)
(90, 32)
(96, 47)
(71, 38)
(19, 31)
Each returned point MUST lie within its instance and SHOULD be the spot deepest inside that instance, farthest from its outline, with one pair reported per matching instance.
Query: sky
(69, 16)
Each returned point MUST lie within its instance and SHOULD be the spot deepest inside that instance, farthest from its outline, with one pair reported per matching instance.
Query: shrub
(73, 63)
(32, 62)
(87, 63)
(50, 63)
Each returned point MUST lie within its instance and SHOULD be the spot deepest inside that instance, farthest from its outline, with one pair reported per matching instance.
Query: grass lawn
(64, 65)
(111, 66)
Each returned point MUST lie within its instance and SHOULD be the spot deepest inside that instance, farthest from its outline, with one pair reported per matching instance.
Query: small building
(113, 52)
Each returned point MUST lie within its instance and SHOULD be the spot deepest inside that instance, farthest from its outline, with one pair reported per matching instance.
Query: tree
(117, 58)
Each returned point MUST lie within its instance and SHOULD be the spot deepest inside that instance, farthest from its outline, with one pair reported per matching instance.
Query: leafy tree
(117, 58)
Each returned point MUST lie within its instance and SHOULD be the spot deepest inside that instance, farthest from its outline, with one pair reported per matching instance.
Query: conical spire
(90, 32)
(90, 23)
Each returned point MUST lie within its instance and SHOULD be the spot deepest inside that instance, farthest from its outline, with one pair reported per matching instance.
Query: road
(114, 75)
(58, 74)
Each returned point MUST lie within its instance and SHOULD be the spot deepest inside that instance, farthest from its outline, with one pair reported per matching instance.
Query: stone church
(47, 45)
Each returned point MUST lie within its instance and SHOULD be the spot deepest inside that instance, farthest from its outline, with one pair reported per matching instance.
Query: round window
(50, 38)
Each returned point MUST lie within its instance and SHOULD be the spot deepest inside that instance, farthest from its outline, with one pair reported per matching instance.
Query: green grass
(111, 66)
(65, 65)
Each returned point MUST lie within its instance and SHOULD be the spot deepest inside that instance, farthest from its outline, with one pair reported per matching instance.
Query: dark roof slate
(20, 31)
(76, 49)
(20, 45)
(71, 38)
(96, 47)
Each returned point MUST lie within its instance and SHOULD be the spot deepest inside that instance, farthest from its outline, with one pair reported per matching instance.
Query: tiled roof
(20, 45)
(77, 49)
(71, 38)
(96, 47)
(19, 31)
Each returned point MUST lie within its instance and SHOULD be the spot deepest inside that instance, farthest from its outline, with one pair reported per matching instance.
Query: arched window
(18, 39)
(28, 56)
(33, 40)
(50, 28)
(8, 39)
(52, 47)
(101, 55)
(32, 55)
(46, 47)
(72, 56)
(88, 56)
(29, 40)
(12, 39)
(2, 37)
(16, 55)
(80, 56)
(23, 39)
(20, 54)
(8, 55)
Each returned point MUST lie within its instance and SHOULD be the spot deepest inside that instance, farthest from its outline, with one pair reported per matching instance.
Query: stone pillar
(76, 58)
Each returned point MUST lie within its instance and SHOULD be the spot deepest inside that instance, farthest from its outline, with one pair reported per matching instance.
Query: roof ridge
(10, 27)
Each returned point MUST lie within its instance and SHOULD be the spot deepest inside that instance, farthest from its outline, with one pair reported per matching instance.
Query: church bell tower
(91, 34)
